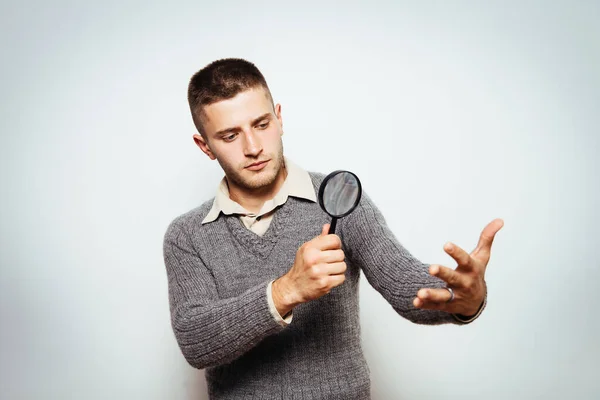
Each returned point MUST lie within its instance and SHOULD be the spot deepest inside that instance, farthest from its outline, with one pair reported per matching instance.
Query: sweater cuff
(280, 320)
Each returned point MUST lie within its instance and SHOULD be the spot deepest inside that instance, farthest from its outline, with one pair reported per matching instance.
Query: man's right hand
(319, 267)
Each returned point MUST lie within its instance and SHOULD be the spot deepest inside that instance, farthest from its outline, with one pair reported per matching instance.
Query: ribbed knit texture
(218, 275)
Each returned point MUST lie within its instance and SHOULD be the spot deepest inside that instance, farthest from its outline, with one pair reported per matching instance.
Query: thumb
(325, 230)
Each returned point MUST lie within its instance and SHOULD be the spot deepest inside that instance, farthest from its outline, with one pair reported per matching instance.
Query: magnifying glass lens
(339, 195)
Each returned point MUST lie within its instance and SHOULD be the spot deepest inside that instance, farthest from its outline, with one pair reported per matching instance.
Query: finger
(325, 230)
(332, 256)
(337, 280)
(328, 242)
(461, 257)
(334, 268)
(451, 277)
(487, 237)
(434, 295)
(425, 305)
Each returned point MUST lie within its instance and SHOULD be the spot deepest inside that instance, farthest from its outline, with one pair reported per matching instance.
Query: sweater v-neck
(256, 244)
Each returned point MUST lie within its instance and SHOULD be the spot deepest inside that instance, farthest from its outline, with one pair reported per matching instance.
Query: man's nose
(252, 146)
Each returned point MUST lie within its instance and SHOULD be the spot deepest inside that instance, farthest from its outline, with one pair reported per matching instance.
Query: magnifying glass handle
(332, 225)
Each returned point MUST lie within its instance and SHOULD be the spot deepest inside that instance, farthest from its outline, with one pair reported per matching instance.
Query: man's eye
(263, 125)
(229, 138)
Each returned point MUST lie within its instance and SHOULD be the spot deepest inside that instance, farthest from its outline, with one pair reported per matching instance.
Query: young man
(260, 295)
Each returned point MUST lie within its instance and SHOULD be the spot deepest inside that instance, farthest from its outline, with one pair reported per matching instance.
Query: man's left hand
(467, 280)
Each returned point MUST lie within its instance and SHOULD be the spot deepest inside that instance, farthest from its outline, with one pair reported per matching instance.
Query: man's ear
(201, 142)
(278, 115)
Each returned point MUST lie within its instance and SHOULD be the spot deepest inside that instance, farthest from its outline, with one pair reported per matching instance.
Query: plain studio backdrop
(451, 113)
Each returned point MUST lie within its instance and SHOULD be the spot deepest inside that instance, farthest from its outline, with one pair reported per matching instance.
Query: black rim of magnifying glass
(322, 190)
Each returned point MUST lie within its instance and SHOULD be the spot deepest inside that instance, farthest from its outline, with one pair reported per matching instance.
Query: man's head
(238, 123)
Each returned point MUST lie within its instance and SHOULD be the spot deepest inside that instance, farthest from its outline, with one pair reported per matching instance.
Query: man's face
(241, 132)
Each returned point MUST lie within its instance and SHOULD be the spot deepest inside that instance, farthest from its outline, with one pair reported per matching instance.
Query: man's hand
(467, 280)
(319, 267)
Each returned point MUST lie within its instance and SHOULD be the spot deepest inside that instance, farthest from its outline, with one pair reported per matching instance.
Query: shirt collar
(297, 184)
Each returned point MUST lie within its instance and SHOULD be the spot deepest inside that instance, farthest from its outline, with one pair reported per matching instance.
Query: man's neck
(253, 200)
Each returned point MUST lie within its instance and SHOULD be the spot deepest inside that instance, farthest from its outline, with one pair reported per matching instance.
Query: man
(261, 296)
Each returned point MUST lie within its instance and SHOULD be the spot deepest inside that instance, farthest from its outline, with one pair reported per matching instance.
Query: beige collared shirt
(297, 183)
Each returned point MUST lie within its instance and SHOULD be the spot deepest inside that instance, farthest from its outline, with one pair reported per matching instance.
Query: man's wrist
(281, 320)
(282, 298)
(465, 319)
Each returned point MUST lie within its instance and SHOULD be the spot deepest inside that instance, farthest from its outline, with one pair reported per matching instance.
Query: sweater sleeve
(389, 268)
(209, 330)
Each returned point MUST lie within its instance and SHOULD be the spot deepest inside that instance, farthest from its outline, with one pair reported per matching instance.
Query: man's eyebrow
(227, 130)
(257, 120)
(237, 128)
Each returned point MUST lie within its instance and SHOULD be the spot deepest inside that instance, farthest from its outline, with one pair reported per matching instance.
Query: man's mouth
(257, 165)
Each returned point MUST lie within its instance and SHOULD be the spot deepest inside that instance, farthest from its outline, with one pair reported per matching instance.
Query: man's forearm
(218, 332)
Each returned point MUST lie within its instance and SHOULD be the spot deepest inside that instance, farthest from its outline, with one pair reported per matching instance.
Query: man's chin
(260, 179)
(259, 182)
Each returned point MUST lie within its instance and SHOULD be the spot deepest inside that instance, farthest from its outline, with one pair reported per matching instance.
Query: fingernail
(449, 247)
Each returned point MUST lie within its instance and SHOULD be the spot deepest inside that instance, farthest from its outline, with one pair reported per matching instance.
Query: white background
(451, 113)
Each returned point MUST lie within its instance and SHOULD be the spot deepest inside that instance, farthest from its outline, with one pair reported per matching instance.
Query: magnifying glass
(339, 195)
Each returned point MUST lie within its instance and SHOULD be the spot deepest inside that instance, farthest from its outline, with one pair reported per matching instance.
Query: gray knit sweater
(218, 275)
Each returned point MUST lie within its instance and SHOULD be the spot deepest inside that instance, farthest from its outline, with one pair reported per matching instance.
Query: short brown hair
(221, 80)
